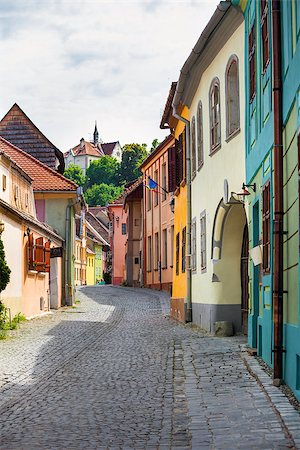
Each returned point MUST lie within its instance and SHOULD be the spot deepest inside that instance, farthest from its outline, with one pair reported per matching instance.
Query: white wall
(228, 162)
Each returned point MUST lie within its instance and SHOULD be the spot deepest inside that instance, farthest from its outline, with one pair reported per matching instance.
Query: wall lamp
(244, 192)
(2, 226)
(27, 232)
(172, 204)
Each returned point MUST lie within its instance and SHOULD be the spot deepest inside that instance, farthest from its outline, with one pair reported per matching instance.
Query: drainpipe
(278, 196)
(189, 219)
(67, 256)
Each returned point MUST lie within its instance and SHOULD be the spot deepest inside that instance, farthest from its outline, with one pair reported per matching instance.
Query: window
(38, 254)
(194, 245)
(124, 231)
(156, 191)
(264, 33)
(266, 227)
(252, 63)
(200, 135)
(148, 195)
(149, 254)
(16, 192)
(156, 247)
(214, 107)
(164, 181)
(193, 147)
(3, 182)
(165, 249)
(172, 245)
(203, 240)
(177, 253)
(183, 250)
(232, 97)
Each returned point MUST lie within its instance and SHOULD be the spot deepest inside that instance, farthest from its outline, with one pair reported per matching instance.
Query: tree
(104, 170)
(154, 145)
(75, 173)
(4, 269)
(102, 194)
(132, 157)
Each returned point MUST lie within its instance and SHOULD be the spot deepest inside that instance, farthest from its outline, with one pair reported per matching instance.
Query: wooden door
(244, 281)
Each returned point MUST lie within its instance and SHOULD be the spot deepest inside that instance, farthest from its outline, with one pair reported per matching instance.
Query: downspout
(144, 234)
(67, 274)
(278, 196)
(189, 219)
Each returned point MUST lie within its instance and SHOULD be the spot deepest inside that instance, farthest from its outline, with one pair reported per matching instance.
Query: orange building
(158, 217)
(180, 300)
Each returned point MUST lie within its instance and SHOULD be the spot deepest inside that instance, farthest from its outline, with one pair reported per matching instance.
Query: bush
(107, 278)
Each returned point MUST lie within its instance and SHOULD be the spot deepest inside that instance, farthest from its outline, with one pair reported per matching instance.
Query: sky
(67, 63)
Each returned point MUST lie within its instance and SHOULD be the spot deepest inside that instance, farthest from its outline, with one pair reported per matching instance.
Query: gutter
(278, 196)
(189, 311)
(184, 77)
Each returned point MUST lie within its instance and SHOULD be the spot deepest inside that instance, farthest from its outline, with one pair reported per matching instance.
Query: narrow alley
(116, 372)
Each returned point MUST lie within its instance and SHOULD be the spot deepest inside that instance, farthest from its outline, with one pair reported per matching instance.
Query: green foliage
(102, 194)
(104, 170)
(6, 324)
(154, 145)
(75, 173)
(107, 278)
(132, 157)
(4, 269)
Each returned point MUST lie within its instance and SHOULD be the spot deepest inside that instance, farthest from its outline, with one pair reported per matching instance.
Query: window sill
(232, 135)
(42, 274)
(183, 183)
(214, 150)
(32, 272)
(200, 167)
(164, 268)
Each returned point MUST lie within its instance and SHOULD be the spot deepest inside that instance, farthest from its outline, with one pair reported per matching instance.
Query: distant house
(83, 154)
(17, 128)
(86, 152)
(112, 149)
(31, 247)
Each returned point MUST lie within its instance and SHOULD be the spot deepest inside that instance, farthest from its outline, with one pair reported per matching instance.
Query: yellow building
(179, 301)
(90, 267)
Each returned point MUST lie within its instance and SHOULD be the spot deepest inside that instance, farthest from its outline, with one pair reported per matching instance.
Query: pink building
(158, 217)
(118, 239)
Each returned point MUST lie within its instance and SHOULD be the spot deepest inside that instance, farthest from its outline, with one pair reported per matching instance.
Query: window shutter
(47, 256)
(39, 254)
(30, 251)
(171, 170)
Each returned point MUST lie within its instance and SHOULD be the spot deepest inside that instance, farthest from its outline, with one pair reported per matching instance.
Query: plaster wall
(12, 238)
(4, 193)
(158, 218)
(208, 186)
(119, 240)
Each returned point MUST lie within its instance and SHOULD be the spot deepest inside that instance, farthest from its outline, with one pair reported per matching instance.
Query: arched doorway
(230, 263)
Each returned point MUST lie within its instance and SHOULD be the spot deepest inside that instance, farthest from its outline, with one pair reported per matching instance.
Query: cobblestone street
(116, 373)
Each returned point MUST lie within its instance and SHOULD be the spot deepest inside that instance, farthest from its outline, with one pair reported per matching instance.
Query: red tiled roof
(86, 148)
(44, 178)
(17, 128)
(165, 143)
(164, 123)
(99, 227)
(108, 147)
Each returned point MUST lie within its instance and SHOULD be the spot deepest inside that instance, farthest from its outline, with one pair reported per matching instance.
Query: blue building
(272, 168)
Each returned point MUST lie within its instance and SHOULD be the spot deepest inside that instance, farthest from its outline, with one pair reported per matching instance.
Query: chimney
(81, 143)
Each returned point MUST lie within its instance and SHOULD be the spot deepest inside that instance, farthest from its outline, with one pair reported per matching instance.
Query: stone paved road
(115, 373)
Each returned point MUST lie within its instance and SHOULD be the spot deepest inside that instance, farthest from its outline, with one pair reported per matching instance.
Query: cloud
(68, 63)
